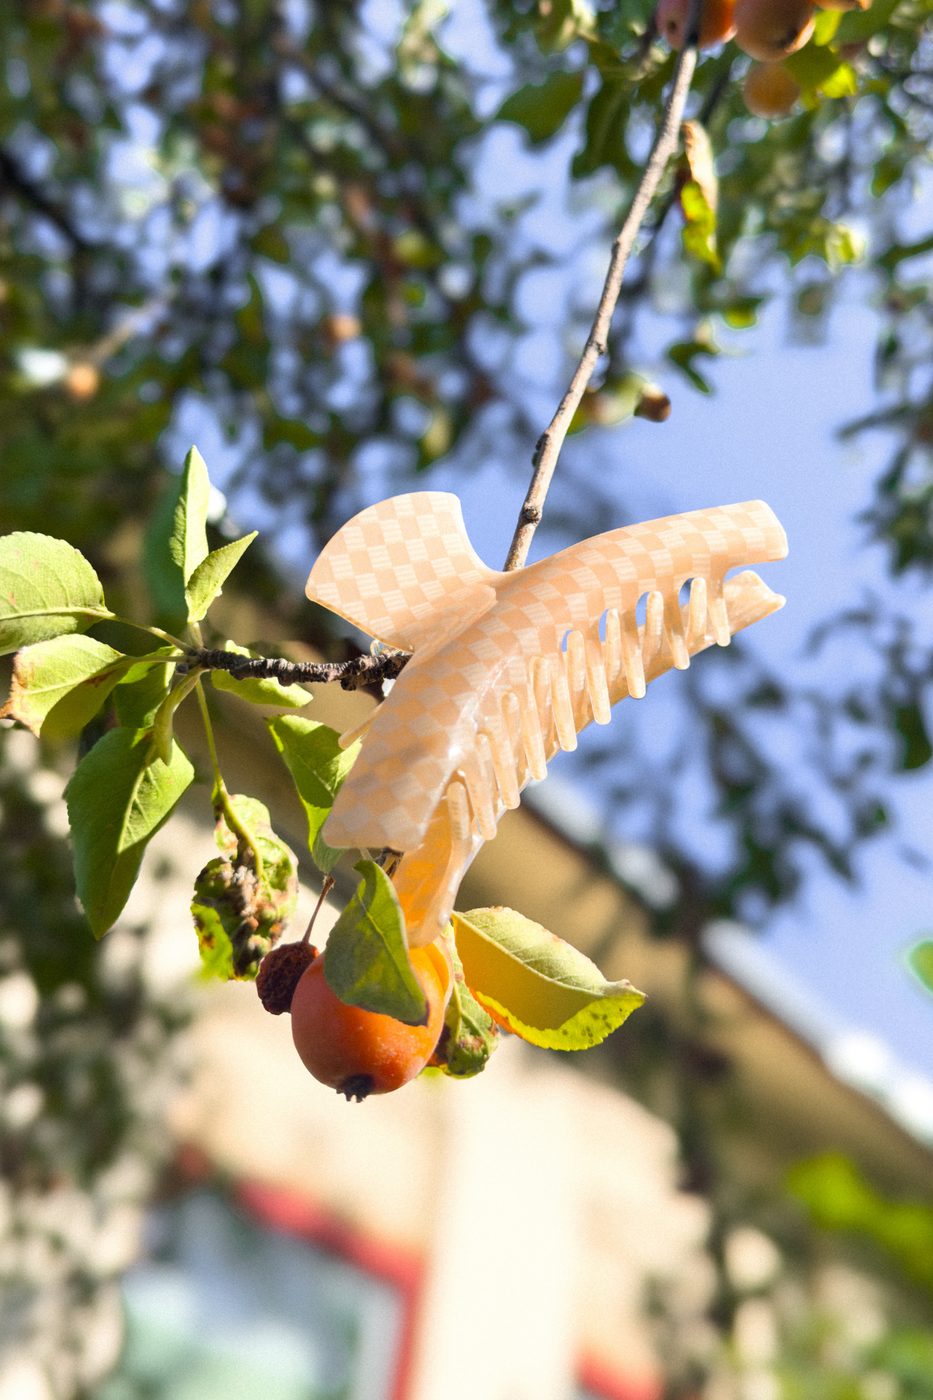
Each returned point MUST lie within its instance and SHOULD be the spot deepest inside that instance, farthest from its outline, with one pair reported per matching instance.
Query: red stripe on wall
(607, 1383)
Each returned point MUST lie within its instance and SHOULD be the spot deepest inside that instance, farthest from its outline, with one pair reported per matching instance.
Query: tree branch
(13, 178)
(352, 674)
(551, 441)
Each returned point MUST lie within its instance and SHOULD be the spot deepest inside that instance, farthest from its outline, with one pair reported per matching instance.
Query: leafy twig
(552, 440)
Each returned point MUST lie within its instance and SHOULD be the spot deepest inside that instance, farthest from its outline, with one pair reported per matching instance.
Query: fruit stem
(325, 891)
(552, 439)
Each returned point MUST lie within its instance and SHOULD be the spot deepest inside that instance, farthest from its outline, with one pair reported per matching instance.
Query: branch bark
(551, 441)
(352, 674)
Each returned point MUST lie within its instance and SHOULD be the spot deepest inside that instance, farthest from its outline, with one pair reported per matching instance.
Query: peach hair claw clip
(507, 668)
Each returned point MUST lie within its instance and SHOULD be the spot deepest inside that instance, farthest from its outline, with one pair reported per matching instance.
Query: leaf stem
(551, 441)
(145, 627)
(220, 798)
(161, 744)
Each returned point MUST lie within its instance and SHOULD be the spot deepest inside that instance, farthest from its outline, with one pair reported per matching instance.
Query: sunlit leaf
(188, 540)
(699, 235)
(60, 684)
(535, 984)
(318, 766)
(140, 692)
(920, 959)
(47, 589)
(206, 582)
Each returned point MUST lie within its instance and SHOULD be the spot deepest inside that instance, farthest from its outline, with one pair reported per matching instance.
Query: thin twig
(552, 440)
(368, 670)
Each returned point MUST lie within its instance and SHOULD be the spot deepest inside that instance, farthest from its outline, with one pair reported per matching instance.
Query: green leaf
(542, 108)
(117, 801)
(899, 251)
(741, 312)
(259, 692)
(909, 723)
(366, 960)
(60, 684)
(141, 691)
(188, 540)
(318, 766)
(215, 944)
(164, 578)
(839, 1198)
(205, 583)
(825, 26)
(821, 70)
(47, 589)
(606, 120)
(920, 961)
(842, 83)
(535, 984)
(685, 352)
(858, 25)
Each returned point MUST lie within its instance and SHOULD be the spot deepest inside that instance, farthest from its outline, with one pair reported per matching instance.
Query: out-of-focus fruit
(82, 381)
(653, 404)
(769, 30)
(770, 91)
(716, 22)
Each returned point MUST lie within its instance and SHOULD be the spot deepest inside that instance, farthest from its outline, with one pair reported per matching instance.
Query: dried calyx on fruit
(279, 974)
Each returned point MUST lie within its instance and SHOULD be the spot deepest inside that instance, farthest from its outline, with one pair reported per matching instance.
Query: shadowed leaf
(117, 801)
(318, 765)
(366, 960)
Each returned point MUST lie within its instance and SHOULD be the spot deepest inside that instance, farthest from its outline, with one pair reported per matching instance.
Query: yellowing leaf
(535, 984)
(700, 160)
(699, 233)
(47, 675)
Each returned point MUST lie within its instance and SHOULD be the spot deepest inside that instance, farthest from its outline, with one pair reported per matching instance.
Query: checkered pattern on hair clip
(405, 572)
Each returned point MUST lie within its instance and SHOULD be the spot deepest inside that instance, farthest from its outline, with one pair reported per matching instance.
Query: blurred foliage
(269, 214)
(86, 1067)
(839, 1198)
